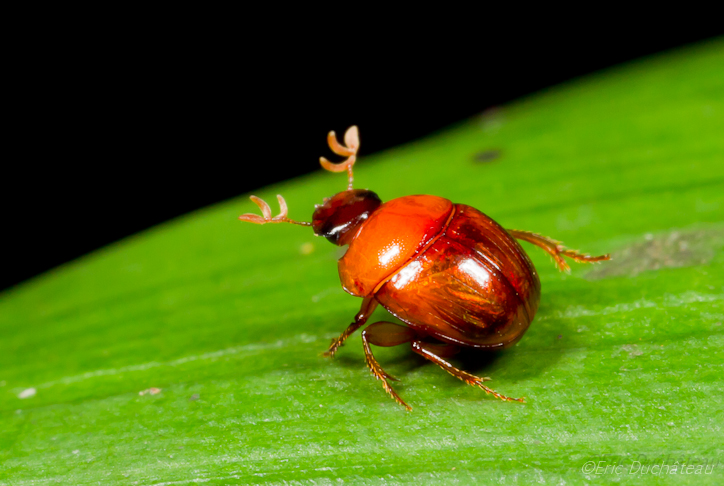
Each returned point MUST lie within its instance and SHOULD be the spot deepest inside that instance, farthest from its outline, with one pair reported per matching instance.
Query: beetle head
(339, 218)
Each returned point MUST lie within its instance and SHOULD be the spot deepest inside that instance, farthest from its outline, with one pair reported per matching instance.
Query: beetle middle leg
(368, 306)
(385, 334)
(433, 353)
(556, 250)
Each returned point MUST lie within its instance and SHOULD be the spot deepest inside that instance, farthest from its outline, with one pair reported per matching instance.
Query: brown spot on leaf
(669, 250)
(486, 156)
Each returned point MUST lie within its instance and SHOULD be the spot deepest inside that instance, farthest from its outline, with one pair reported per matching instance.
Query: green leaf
(622, 365)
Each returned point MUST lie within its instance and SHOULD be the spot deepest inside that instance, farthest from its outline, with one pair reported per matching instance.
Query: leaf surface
(622, 365)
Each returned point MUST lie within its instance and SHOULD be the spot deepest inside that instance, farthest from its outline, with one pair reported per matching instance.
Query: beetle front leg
(556, 250)
(368, 306)
(432, 352)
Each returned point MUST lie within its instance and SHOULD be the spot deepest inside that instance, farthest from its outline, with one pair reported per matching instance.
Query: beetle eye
(339, 216)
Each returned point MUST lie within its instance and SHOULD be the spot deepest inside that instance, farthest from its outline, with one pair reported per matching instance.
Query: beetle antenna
(266, 213)
(349, 150)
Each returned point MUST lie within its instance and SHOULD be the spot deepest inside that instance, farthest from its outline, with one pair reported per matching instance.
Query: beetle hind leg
(556, 250)
(432, 352)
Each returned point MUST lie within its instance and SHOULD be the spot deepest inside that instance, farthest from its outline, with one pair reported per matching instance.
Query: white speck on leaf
(27, 393)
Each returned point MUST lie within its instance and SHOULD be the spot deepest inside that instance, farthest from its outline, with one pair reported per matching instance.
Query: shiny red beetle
(453, 275)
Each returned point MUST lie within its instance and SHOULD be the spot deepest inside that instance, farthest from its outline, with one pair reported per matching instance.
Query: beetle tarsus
(498, 395)
(339, 342)
(333, 347)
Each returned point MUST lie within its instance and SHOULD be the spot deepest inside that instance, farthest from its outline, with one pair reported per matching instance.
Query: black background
(107, 140)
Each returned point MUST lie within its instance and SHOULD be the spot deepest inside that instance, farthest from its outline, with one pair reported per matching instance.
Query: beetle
(455, 277)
